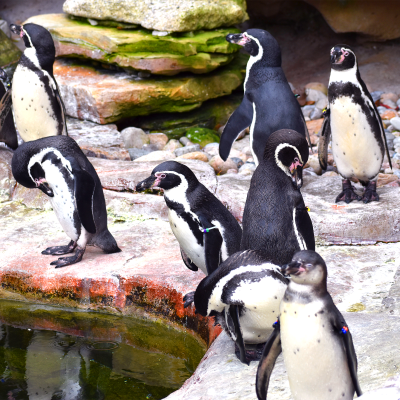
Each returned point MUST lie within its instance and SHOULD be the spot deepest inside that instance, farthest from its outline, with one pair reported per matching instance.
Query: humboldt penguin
(57, 166)
(358, 137)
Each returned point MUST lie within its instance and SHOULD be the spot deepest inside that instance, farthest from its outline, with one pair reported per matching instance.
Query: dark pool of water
(48, 353)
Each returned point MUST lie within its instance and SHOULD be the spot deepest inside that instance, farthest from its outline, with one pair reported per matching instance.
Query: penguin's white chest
(314, 356)
(34, 115)
(63, 202)
(354, 147)
(187, 240)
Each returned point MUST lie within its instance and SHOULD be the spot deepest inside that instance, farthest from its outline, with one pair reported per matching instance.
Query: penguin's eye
(309, 265)
(345, 52)
(162, 176)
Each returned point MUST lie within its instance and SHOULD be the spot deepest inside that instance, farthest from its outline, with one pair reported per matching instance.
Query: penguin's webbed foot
(370, 193)
(348, 194)
(60, 250)
(64, 261)
(188, 299)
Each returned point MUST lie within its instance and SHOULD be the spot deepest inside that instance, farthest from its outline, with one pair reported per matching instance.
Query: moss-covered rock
(9, 52)
(202, 136)
(199, 52)
(163, 15)
(104, 96)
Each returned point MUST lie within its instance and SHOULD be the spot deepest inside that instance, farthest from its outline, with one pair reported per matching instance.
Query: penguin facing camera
(57, 166)
(275, 218)
(8, 134)
(206, 231)
(353, 122)
(313, 336)
(244, 294)
(268, 103)
(38, 108)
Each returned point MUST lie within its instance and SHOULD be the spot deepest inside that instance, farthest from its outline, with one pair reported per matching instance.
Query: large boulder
(9, 52)
(199, 52)
(161, 15)
(104, 96)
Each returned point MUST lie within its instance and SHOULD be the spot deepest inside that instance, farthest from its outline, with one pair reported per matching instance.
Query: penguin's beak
(238, 38)
(45, 188)
(17, 29)
(338, 55)
(296, 170)
(293, 268)
(148, 183)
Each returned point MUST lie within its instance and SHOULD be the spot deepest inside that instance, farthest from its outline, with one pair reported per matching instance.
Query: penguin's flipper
(340, 326)
(84, 186)
(324, 140)
(271, 352)
(212, 243)
(307, 134)
(234, 314)
(8, 134)
(239, 120)
(304, 226)
(62, 107)
(188, 262)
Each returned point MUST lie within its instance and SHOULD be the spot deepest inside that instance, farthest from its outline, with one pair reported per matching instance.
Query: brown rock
(158, 155)
(172, 145)
(389, 96)
(317, 86)
(384, 179)
(196, 155)
(221, 167)
(314, 140)
(379, 19)
(314, 126)
(158, 139)
(389, 114)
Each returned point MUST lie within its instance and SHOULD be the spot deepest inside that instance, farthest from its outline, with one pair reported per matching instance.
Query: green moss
(356, 307)
(9, 52)
(202, 136)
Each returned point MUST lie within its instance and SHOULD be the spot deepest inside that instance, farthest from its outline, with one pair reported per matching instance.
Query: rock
(238, 154)
(172, 145)
(313, 162)
(389, 96)
(247, 168)
(211, 148)
(158, 139)
(196, 155)
(9, 52)
(150, 147)
(389, 103)
(384, 179)
(158, 155)
(317, 86)
(171, 16)
(398, 103)
(314, 127)
(134, 137)
(102, 141)
(389, 114)
(320, 98)
(221, 167)
(185, 141)
(396, 123)
(199, 52)
(187, 149)
(232, 171)
(7, 181)
(202, 136)
(136, 153)
(376, 95)
(372, 19)
(307, 110)
(105, 96)
(381, 109)
(238, 161)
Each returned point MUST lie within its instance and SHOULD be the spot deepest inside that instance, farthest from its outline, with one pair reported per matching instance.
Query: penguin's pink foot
(370, 193)
(348, 194)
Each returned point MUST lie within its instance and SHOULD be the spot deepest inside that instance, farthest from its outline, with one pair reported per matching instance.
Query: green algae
(357, 307)
(9, 52)
(202, 136)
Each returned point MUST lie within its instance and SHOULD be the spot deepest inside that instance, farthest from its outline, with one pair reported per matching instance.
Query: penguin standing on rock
(206, 231)
(268, 103)
(313, 336)
(244, 294)
(275, 218)
(358, 137)
(38, 108)
(57, 166)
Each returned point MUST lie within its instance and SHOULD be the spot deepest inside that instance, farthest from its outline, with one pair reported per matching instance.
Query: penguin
(57, 166)
(268, 103)
(313, 336)
(275, 218)
(38, 108)
(8, 134)
(246, 291)
(205, 229)
(358, 137)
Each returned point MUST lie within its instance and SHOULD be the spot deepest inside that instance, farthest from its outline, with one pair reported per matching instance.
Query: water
(47, 353)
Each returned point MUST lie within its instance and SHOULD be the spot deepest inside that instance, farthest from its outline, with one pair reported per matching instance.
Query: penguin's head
(169, 175)
(306, 268)
(343, 57)
(38, 40)
(260, 44)
(289, 150)
(38, 176)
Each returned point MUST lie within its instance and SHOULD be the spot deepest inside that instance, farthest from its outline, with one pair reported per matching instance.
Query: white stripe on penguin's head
(253, 59)
(283, 167)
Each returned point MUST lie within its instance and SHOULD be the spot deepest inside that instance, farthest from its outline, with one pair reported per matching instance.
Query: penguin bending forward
(206, 231)
(275, 219)
(313, 336)
(268, 103)
(358, 137)
(38, 108)
(57, 166)
(245, 291)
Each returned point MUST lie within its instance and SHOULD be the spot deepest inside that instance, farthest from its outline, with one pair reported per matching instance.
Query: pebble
(184, 140)
(247, 168)
(150, 147)
(307, 110)
(316, 113)
(222, 167)
(376, 95)
(317, 86)
(381, 109)
(232, 171)
(158, 139)
(134, 137)
(136, 153)
(396, 123)
(389, 114)
(389, 96)
(396, 171)
(389, 103)
(239, 162)
(157, 156)
(398, 103)
(320, 99)
(187, 149)
(172, 145)
(196, 155)
(208, 147)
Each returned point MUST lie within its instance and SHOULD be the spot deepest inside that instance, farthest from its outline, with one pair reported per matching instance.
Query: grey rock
(376, 95)
(389, 103)
(396, 123)
(307, 110)
(390, 136)
(398, 103)
(210, 147)
(396, 172)
(239, 162)
(321, 99)
(184, 140)
(134, 137)
(396, 140)
(381, 109)
(316, 113)
(150, 147)
(390, 144)
(136, 153)
(187, 149)
(247, 168)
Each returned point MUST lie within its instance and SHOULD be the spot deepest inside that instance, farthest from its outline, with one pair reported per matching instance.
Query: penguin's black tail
(106, 242)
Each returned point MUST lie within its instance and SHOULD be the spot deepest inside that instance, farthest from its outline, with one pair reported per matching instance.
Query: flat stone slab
(221, 376)
(103, 141)
(199, 52)
(171, 15)
(105, 96)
